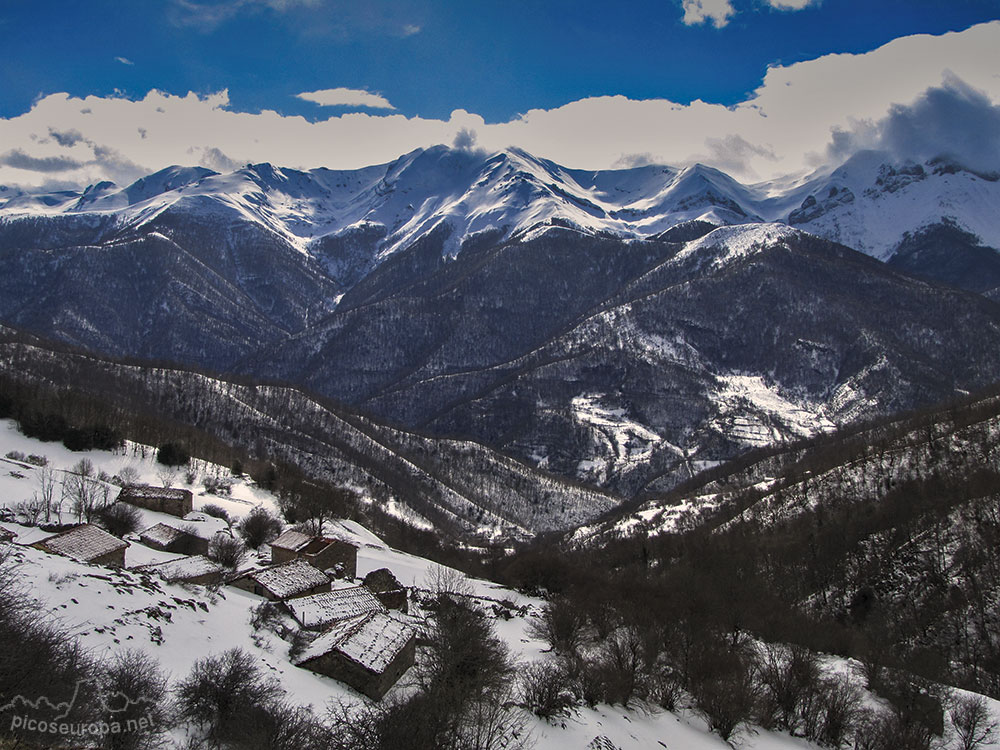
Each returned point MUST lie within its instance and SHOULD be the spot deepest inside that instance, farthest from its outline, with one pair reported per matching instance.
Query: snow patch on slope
(619, 441)
(755, 413)
(728, 244)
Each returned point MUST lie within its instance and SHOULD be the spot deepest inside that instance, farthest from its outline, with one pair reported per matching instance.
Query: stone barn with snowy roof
(168, 538)
(87, 543)
(176, 502)
(369, 652)
(198, 569)
(283, 581)
(326, 553)
(319, 610)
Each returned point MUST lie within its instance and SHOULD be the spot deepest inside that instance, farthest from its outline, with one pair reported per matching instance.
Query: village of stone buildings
(357, 630)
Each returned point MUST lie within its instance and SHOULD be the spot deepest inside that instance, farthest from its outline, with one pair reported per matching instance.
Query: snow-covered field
(111, 610)
(622, 441)
(737, 392)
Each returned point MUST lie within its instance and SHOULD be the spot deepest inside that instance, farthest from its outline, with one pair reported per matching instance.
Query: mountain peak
(171, 178)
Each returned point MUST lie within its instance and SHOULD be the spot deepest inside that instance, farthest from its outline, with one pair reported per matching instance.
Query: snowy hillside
(111, 610)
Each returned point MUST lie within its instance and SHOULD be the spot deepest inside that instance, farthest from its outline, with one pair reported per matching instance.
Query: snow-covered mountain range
(622, 327)
(869, 203)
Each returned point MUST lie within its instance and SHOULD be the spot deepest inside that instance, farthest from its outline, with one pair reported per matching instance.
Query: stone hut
(283, 581)
(168, 538)
(320, 610)
(387, 588)
(369, 652)
(198, 569)
(6, 535)
(326, 553)
(176, 502)
(87, 543)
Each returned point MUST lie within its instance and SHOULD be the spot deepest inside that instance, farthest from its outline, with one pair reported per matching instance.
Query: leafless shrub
(222, 691)
(259, 527)
(228, 551)
(135, 689)
(120, 519)
(790, 682)
(842, 711)
(561, 625)
(891, 730)
(216, 485)
(621, 658)
(545, 690)
(724, 686)
(29, 512)
(265, 615)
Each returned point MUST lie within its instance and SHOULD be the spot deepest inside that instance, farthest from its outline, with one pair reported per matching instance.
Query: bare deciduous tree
(972, 722)
(87, 496)
(166, 474)
(47, 494)
(128, 476)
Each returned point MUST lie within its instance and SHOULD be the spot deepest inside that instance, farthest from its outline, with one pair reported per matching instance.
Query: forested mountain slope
(455, 487)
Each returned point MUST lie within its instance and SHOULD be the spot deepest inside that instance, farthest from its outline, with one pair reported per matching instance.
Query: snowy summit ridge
(869, 203)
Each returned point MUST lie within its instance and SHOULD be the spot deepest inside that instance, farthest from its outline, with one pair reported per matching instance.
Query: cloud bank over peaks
(77, 141)
(917, 97)
(953, 121)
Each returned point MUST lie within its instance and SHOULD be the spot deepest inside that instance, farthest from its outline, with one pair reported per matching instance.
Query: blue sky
(498, 59)
(428, 59)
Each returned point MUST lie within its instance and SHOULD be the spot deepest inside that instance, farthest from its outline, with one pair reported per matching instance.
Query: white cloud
(702, 11)
(792, 4)
(124, 61)
(786, 126)
(161, 129)
(208, 14)
(341, 97)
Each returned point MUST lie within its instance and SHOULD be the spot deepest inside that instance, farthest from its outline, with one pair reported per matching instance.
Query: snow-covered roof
(335, 535)
(292, 540)
(290, 578)
(297, 541)
(148, 490)
(205, 526)
(6, 535)
(162, 534)
(329, 606)
(183, 569)
(372, 641)
(84, 543)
